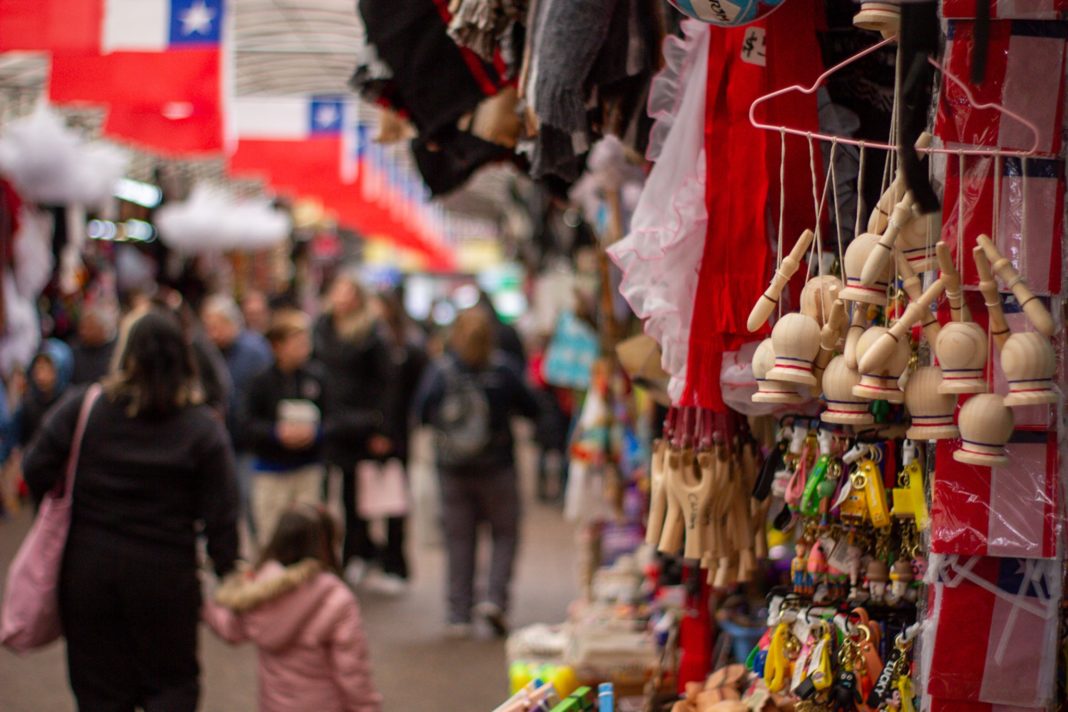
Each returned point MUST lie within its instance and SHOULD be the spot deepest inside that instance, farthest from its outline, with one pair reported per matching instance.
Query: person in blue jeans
(469, 397)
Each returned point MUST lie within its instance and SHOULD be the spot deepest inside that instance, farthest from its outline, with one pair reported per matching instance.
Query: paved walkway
(414, 665)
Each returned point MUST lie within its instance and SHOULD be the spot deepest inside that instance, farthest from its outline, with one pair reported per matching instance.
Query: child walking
(303, 619)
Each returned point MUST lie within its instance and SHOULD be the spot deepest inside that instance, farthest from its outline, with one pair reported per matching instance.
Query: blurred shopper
(155, 469)
(303, 619)
(283, 425)
(246, 354)
(551, 430)
(505, 335)
(469, 396)
(358, 378)
(257, 311)
(95, 345)
(49, 375)
(409, 361)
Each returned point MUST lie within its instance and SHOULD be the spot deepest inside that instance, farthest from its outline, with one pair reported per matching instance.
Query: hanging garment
(744, 64)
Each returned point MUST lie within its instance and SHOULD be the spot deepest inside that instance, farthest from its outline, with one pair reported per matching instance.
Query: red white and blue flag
(1009, 607)
(154, 64)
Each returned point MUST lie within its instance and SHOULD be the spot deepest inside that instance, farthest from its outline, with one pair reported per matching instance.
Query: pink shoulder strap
(91, 396)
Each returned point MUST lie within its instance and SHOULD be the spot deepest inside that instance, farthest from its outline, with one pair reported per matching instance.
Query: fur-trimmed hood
(276, 602)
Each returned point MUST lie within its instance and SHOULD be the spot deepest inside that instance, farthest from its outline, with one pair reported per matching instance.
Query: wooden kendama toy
(887, 343)
(657, 494)
(860, 295)
(999, 328)
(961, 350)
(986, 424)
(1032, 306)
(881, 17)
(931, 412)
(1029, 363)
(768, 390)
(951, 278)
(818, 297)
(880, 259)
(796, 341)
(882, 381)
(912, 286)
(770, 298)
(831, 335)
(843, 407)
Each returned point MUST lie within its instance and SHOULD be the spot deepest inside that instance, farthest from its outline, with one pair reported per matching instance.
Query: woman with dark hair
(155, 470)
(358, 379)
(303, 619)
(469, 397)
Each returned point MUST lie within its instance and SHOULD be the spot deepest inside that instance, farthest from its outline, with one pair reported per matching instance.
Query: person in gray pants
(469, 396)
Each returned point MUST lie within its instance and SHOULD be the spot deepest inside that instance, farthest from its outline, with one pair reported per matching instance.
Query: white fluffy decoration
(211, 219)
(22, 332)
(33, 252)
(50, 164)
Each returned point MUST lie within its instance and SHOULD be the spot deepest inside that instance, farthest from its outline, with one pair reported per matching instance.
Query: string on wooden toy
(960, 214)
(861, 167)
(819, 203)
(782, 201)
(837, 214)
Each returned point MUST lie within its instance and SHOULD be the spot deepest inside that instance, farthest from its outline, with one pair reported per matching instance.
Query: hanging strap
(65, 486)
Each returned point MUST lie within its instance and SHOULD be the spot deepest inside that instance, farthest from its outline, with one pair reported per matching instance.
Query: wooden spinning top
(796, 341)
(932, 412)
(881, 382)
(882, 17)
(842, 406)
(1029, 364)
(912, 243)
(769, 391)
(986, 424)
(855, 256)
(961, 350)
(818, 295)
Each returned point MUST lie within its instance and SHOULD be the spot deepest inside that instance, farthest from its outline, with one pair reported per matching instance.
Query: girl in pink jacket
(303, 619)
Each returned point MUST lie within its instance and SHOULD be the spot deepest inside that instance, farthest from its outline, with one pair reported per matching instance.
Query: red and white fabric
(1009, 608)
(1009, 510)
(1008, 9)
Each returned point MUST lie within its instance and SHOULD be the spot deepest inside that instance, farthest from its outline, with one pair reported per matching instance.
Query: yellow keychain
(875, 493)
(909, 499)
(777, 666)
(820, 670)
(904, 686)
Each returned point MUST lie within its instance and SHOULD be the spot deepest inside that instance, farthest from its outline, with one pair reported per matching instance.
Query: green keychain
(810, 499)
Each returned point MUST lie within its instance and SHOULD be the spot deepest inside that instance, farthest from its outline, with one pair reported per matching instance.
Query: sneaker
(458, 631)
(386, 584)
(495, 616)
(355, 572)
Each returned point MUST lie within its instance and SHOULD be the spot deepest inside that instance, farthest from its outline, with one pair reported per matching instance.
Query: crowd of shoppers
(235, 422)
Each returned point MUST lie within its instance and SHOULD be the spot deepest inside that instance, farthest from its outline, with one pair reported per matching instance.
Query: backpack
(462, 420)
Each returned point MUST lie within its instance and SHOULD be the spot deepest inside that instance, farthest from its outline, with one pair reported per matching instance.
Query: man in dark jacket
(469, 396)
(95, 344)
(283, 425)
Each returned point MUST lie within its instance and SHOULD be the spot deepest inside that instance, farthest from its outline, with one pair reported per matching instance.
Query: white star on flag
(326, 116)
(197, 19)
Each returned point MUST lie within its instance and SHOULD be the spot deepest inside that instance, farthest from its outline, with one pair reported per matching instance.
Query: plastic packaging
(1011, 510)
(1008, 10)
(1009, 608)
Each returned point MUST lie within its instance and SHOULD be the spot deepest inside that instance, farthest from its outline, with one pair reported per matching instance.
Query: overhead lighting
(134, 191)
(129, 231)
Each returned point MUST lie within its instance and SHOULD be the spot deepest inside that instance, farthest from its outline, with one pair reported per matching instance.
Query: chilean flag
(155, 65)
(307, 146)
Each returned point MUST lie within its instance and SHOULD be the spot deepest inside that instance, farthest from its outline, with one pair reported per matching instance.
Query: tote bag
(383, 489)
(29, 617)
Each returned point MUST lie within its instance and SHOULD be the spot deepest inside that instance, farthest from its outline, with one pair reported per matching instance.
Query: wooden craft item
(877, 265)
(914, 243)
(830, 337)
(986, 424)
(962, 351)
(856, 256)
(999, 328)
(880, 214)
(912, 286)
(672, 533)
(768, 390)
(796, 341)
(770, 298)
(951, 278)
(884, 347)
(1032, 306)
(818, 296)
(881, 17)
(881, 383)
(692, 489)
(856, 327)
(1029, 363)
(842, 406)
(657, 494)
(715, 545)
(931, 411)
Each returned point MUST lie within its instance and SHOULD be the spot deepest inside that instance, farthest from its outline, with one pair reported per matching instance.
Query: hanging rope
(782, 201)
